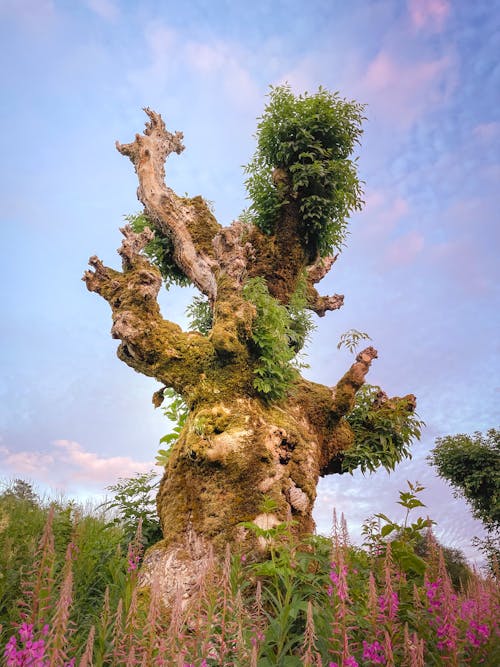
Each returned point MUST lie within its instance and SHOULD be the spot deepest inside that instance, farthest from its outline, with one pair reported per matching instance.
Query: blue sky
(420, 272)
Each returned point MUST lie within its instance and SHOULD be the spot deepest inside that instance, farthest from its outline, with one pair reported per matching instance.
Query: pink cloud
(25, 463)
(227, 63)
(68, 464)
(464, 264)
(382, 213)
(429, 14)
(403, 92)
(106, 9)
(487, 131)
(35, 14)
(404, 249)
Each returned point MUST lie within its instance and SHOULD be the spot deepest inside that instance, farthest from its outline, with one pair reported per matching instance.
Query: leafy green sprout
(278, 333)
(159, 250)
(351, 339)
(405, 535)
(200, 315)
(176, 411)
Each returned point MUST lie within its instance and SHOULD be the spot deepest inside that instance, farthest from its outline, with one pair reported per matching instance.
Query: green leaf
(387, 530)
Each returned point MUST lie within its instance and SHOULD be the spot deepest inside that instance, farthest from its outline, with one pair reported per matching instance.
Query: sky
(420, 270)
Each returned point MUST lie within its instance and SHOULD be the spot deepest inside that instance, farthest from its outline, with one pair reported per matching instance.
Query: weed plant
(74, 599)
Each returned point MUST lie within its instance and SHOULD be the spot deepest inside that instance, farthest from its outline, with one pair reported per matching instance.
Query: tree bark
(236, 450)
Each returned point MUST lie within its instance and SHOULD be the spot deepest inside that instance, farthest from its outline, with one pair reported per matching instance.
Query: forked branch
(149, 344)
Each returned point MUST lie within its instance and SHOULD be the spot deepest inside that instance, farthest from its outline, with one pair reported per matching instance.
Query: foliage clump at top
(304, 145)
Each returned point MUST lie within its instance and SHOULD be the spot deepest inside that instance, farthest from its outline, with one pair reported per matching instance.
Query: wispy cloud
(25, 463)
(219, 65)
(31, 13)
(226, 63)
(67, 465)
(404, 250)
(106, 9)
(429, 15)
(382, 212)
(402, 92)
(487, 131)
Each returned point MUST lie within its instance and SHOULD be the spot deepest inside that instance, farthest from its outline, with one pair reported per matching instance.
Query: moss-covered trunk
(230, 458)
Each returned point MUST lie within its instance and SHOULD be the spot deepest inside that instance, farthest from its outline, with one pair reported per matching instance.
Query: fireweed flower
(338, 577)
(374, 652)
(472, 612)
(388, 604)
(477, 634)
(133, 558)
(432, 593)
(32, 653)
(442, 605)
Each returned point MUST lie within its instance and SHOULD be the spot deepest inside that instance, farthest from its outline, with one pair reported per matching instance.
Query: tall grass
(74, 601)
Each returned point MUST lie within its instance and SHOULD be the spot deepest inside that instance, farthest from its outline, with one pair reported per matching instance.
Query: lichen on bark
(238, 447)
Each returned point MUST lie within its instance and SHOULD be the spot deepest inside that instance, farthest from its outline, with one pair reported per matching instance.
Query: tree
(471, 464)
(257, 435)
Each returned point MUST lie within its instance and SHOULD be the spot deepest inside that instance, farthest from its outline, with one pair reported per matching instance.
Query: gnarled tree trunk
(236, 448)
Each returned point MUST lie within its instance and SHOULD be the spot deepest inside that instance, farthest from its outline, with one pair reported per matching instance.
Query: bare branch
(188, 222)
(320, 304)
(345, 390)
(326, 408)
(316, 272)
(320, 268)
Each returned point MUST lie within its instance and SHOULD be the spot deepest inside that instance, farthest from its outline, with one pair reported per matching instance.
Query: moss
(281, 258)
(204, 226)
(217, 469)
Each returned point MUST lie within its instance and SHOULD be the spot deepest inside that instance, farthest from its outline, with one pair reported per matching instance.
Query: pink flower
(26, 632)
(350, 662)
(477, 634)
(374, 652)
(339, 580)
(32, 653)
(133, 558)
(388, 605)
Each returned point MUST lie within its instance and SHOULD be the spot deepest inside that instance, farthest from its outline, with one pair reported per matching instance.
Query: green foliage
(134, 500)
(455, 561)
(278, 332)
(159, 250)
(471, 464)
(309, 138)
(403, 537)
(383, 433)
(177, 411)
(293, 574)
(301, 324)
(99, 561)
(351, 339)
(200, 315)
